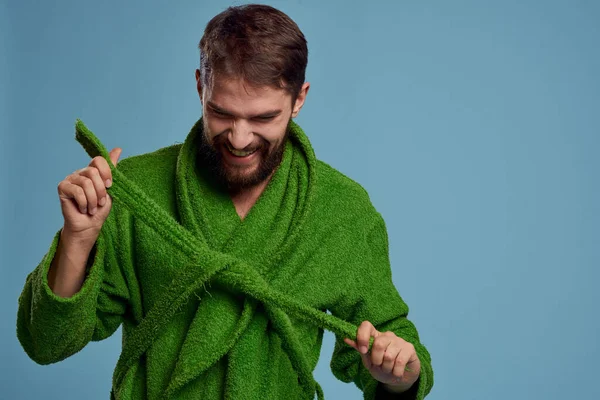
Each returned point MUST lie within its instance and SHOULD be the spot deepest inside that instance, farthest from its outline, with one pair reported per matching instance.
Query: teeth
(238, 153)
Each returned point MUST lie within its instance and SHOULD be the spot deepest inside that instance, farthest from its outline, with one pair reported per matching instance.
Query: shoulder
(342, 195)
(148, 165)
(339, 183)
(154, 173)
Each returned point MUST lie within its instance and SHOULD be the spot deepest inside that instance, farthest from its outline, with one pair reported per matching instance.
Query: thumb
(115, 154)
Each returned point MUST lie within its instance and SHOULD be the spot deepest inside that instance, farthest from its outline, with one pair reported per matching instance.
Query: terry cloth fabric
(216, 307)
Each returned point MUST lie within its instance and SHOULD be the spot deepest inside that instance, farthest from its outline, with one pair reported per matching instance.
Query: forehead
(242, 98)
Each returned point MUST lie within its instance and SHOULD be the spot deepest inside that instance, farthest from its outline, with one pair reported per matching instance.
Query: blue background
(474, 126)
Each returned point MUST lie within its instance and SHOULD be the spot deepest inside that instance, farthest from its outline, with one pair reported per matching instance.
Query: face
(245, 129)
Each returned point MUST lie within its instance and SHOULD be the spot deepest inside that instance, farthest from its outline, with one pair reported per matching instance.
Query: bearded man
(247, 185)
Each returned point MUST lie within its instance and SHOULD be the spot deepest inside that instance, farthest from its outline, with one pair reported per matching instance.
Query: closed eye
(220, 114)
(265, 118)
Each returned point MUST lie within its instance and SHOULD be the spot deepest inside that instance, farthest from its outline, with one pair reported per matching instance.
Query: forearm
(67, 270)
(51, 327)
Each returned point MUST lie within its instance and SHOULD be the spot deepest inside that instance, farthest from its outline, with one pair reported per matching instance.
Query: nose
(240, 136)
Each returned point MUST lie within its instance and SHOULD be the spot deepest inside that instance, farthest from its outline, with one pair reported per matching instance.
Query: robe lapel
(222, 315)
(202, 343)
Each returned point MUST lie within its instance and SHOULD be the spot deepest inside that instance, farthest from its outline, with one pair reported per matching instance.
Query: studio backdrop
(473, 125)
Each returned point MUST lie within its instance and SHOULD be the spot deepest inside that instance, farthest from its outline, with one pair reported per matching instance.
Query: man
(246, 183)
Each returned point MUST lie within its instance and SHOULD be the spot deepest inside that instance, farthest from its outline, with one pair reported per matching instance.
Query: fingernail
(102, 201)
(108, 183)
(84, 210)
(93, 211)
(363, 349)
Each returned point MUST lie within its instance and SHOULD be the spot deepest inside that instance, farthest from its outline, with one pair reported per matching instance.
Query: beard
(234, 177)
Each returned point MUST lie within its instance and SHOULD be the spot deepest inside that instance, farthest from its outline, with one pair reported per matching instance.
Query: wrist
(400, 388)
(77, 242)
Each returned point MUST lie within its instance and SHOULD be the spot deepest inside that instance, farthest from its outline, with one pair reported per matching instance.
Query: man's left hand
(391, 360)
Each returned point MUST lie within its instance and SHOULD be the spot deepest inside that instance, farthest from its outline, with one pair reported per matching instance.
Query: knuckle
(87, 183)
(85, 172)
(379, 345)
(388, 357)
(93, 172)
(96, 161)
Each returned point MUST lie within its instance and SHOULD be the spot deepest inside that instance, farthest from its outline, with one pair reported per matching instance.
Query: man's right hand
(84, 200)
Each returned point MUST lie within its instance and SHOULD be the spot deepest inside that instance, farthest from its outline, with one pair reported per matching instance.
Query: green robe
(215, 307)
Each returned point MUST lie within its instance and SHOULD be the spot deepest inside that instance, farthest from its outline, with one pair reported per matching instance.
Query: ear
(199, 84)
(300, 99)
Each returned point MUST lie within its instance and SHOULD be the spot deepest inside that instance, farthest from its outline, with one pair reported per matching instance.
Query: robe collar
(281, 209)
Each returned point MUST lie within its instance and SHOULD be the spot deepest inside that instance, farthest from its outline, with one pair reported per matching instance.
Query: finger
(101, 165)
(400, 363)
(363, 336)
(86, 184)
(115, 154)
(380, 345)
(351, 343)
(114, 158)
(389, 358)
(94, 175)
(413, 364)
(103, 169)
(366, 358)
(70, 191)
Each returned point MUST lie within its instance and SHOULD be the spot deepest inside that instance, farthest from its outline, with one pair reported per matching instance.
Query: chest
(308, 270)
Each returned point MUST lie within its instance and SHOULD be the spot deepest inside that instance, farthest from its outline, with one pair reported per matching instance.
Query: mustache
(221, 140)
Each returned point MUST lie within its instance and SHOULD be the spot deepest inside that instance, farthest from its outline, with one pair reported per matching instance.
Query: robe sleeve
(51, 328)
(372, 296)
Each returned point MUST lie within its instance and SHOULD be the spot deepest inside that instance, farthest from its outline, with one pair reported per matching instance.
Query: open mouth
(239, 153)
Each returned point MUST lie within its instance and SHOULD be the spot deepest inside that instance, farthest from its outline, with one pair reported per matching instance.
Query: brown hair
(257, 43)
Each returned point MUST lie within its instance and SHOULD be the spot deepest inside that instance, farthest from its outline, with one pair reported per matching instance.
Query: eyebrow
(221, 110)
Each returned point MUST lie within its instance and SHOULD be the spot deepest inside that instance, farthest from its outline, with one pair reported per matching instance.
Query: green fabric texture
(216, 307)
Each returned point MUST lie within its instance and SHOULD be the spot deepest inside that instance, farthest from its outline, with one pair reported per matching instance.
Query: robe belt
(205, 264)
